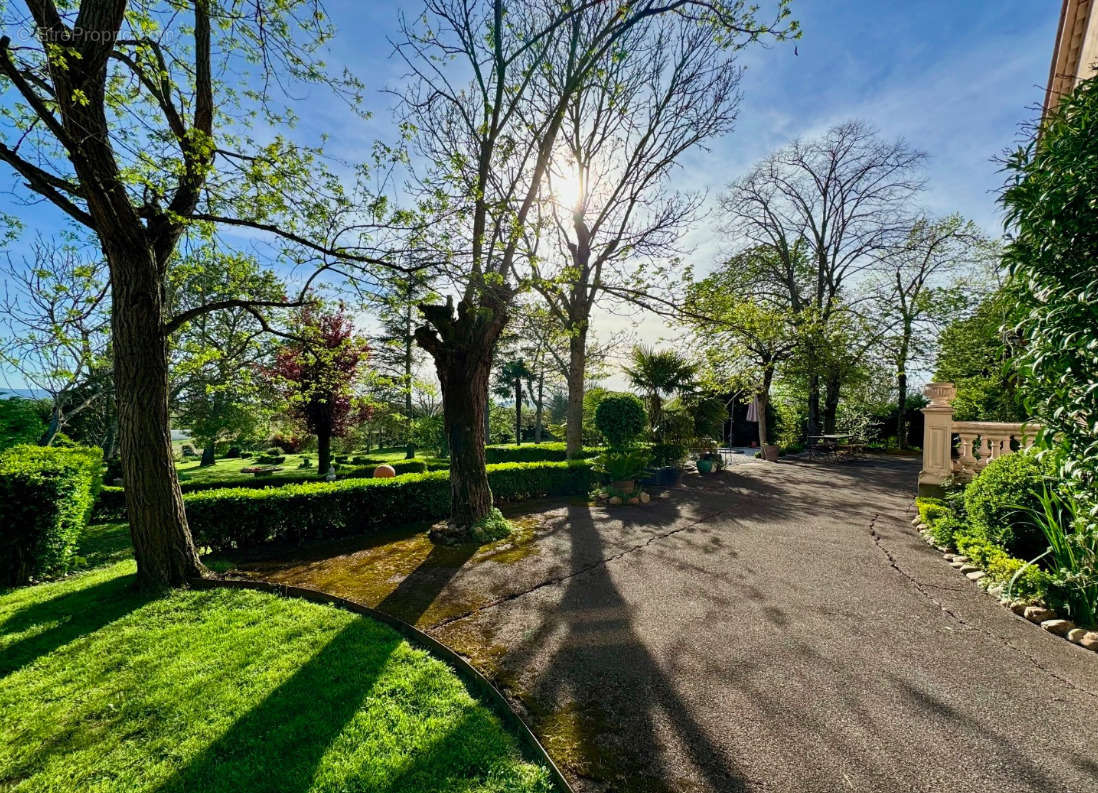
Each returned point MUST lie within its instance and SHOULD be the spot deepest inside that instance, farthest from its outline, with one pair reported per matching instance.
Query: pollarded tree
(316, 373)
(128, 116)
(488, 144)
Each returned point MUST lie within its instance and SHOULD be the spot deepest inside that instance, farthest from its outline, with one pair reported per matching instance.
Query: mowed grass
(105, 689)
(227, 470)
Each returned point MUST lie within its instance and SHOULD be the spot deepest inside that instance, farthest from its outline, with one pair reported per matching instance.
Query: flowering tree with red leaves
(316, 373)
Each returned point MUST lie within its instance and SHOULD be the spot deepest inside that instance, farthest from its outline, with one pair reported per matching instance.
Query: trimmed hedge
(112, 500)
(46, 498)
(533, 453)
(241, 518)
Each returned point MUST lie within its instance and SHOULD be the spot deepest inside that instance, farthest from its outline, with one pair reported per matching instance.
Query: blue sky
(955, 79)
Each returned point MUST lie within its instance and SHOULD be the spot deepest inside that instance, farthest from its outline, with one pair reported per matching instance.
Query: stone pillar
(937, 438)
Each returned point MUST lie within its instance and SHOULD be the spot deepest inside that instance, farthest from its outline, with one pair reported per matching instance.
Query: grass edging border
(482, 686)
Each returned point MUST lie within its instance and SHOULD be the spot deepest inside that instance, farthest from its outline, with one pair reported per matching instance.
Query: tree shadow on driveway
(598, 701)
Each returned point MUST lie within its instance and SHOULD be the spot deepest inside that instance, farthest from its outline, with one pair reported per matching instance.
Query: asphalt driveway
(771, 628)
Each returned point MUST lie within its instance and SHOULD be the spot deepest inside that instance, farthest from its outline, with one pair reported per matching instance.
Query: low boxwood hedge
(46, 498)
(112, 500)
(533, 453)
(997, 502)
(235, 518)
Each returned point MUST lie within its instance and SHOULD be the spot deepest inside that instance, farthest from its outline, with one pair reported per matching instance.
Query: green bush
(533, 453)
(620, 418)
(270, 459)
(997, 503)
(399, 466)
(237, 518)
(46, 499)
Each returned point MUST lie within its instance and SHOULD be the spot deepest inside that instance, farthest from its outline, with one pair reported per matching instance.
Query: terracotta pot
(770, 453)
(624, 486)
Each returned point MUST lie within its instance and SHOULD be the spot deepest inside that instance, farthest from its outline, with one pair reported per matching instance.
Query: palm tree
(660, 374)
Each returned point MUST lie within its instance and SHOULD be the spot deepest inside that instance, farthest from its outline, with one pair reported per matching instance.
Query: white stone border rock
(1038, 615)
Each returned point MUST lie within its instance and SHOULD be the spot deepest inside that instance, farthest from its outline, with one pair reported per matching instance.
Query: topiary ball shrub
(620, 418)
(997, 503)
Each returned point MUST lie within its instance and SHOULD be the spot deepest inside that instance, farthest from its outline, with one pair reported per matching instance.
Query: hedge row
(112, 500)
(46, 498)
(533, 453)
(242, 518)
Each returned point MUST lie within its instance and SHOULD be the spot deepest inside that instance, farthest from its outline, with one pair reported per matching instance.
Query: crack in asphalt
(923, 590)
(557, 580)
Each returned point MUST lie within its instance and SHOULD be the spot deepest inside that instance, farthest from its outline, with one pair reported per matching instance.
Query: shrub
(532, 453)
(619, 465)
(620, 418)
(240, 517)
(999, 500)
(270, 459)
(1051, 206)
(46, 497)
(399, 466)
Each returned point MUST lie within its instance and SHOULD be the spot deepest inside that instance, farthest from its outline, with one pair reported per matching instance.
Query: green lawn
(103, 689)
(227, 470)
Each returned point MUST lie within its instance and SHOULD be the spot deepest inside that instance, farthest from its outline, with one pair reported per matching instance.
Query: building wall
(1075, 55)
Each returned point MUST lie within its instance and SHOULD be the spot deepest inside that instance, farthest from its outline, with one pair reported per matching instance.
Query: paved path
(772, 628)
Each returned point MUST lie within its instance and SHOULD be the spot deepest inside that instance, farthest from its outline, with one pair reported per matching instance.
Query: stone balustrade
(977, 442)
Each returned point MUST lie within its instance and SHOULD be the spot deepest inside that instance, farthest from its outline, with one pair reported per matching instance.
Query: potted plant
(709, 459)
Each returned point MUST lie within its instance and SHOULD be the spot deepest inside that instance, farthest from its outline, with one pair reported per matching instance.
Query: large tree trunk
(162, 543)
(410, 451)
(462, 347)
(764, 403)
(831, 403)
(518, 411)
(813, 406)
(901, 415)
(540, 408)
(577, 366)
(323, 450)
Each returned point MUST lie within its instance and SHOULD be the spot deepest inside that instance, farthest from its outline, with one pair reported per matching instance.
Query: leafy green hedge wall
(241, 518)
(46, 497)
(532, 453)
(112, 500)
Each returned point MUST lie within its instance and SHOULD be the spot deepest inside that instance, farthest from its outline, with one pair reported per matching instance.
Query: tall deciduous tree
(490, 144)
(214, 357)
(827, 208)
(395, 353)
(316, 373)
(926, 281)
(612, 207)
(122, 115)
(744, 341)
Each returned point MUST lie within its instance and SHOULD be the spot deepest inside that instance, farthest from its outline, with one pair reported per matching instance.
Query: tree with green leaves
(488, 143)
(743, 341)
(512, 376)
(395, 353)
(827, 209)
(215, 359)
(976, 353)
(925, 281)
(613, 221)
(55, 317)
(129, 118)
